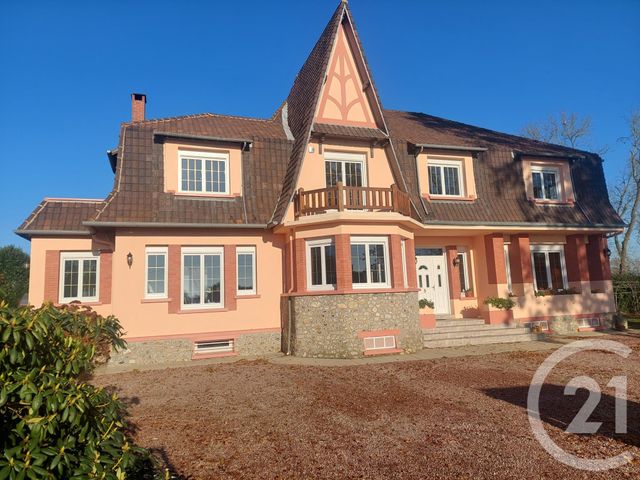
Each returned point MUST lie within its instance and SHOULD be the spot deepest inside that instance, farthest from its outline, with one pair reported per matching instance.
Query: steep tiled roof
(498, 174)
(57, 215)
(272, 164)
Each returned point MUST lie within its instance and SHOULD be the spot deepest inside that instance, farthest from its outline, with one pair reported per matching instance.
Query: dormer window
(203, 172)
(545, 183)
(445, 178)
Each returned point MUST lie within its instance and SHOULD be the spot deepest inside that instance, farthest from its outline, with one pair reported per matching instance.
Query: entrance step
(458, 322)
(471, 331)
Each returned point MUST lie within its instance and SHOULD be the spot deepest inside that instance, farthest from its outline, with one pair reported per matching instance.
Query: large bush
(54, 424)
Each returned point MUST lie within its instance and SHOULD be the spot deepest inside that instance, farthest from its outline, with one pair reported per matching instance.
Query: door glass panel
(428, 251)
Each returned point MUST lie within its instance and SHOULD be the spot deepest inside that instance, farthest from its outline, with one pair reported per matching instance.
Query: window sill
(206, 195)
(253, 295)
(92, 303)
(450, 198)
(382, 351)
(551, 202)
(202, 310)
(155, 300)
(468, 298)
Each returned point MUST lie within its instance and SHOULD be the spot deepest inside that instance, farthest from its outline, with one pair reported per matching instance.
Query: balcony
(340, 198)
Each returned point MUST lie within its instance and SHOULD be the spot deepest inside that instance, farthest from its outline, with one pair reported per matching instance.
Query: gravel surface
(446, 418)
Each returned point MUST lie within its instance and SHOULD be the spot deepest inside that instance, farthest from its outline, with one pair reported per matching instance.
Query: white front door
(432, 278)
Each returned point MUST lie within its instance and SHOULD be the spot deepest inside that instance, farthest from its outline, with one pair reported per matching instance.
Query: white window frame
(344, 157)
(546, 249)
(322, 243)
(441, 163)
(80, 256)
(403, 251)
(246, 250)
(155, 251)
(385, 340)
(204, 156)
(202, 251)
(369, 241)
(465, 264)
(507, 267)
(542, 170)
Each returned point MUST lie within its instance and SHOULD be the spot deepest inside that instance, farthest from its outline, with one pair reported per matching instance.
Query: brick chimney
(138, 102)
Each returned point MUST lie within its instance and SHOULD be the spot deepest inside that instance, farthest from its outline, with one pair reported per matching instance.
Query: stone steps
(470, 331)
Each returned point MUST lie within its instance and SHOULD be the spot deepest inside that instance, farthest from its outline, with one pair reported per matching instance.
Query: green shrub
(54, 424)
(501, 303)
(423, 303)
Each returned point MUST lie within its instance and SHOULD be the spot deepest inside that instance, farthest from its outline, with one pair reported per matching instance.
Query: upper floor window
(445, 178)
(545, 183)
(156, 272)
(79, 277)
(348, 168)
(550, 271)
(321, 261)
(369, 262)
(204, 172)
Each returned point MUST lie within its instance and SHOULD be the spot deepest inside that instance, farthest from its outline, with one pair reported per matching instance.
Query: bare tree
(566, 129)
(626, 194)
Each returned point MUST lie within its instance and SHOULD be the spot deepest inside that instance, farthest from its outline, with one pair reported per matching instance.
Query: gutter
(524, 224)
(175, 225)
(422, 146)
(518, 153)
(247, 143)
(27, 234)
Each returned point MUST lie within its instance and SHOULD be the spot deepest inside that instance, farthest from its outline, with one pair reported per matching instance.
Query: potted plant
(424, 303)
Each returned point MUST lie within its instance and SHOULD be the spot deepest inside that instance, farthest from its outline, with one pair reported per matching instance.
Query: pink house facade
(317, 231)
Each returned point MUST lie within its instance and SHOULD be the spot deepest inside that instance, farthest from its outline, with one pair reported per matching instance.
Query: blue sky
(68, 69)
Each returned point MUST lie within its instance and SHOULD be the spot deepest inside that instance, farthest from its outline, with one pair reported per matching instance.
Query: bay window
(549, 268)
(202, 277)
(321, 264)
(369, 262)
(79, 274)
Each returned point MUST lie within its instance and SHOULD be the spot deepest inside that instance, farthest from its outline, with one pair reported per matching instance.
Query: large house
(316, 231)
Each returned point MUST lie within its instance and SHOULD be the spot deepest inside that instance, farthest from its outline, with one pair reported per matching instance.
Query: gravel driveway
(447, 418)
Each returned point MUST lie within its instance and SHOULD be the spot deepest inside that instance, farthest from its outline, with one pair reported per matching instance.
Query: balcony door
(348, 168)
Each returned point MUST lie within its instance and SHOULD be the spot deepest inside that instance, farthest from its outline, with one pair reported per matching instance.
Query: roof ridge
(489, 130)
(197, 115)
(73, 200)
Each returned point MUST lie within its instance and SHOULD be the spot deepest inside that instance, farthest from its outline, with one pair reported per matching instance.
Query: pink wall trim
(156, 300)
(352, 291)
(382, 351)
(198, 337)
(428, 320)
(204, 356)
(378, 333)
(578, 315)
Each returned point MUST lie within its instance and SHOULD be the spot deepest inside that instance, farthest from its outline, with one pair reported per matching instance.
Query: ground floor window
(79, 277)
(156, 272)
(550, 272)
(202, 277)
(463, 270)
(369, 262)
(321, 264)
(246, 265)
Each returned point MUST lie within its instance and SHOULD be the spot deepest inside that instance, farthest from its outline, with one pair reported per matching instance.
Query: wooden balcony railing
(340, 198)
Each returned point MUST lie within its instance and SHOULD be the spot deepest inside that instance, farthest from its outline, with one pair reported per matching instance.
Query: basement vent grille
(379, 343)
(214, 346)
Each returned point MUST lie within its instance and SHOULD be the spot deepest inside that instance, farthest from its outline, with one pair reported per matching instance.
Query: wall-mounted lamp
(129, 259)
(456, 261)
(607, 252)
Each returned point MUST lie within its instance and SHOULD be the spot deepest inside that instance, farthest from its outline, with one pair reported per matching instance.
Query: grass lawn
(449, 418)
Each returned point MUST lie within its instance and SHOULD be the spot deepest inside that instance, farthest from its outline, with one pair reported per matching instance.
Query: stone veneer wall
(568, 324)
(181, 350)
(327, 326)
